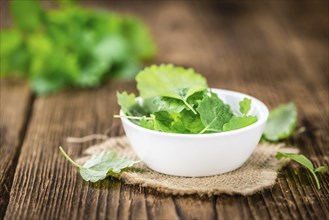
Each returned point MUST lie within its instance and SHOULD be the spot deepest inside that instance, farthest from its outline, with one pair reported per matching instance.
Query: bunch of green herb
(178, 100)
(71, 46)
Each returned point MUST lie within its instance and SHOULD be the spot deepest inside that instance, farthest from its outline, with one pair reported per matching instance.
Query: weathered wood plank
(249, 42)
(15, 101)
(160, 206)
(232, 207)
(313, 72)
(193, 207)
(46, 185)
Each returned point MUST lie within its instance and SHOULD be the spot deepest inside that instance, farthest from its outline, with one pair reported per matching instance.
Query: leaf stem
(204, 130)
(316, 180)
(189, 106)
(69, 159)
(132, 117)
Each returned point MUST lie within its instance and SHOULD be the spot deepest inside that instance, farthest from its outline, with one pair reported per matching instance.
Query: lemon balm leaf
(147, 123)
(245, 105)
(130, 106)
(101, 166)
(301, 159)
(191, 122)
(196, 98)
(298, 158)
(163, 121)
(170, 81)
(239, 122)
(281, 122)
(213, 113)
(159, 103)
(126, 101)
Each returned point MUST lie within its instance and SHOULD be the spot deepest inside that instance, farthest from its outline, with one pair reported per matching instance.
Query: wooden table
(276, 51)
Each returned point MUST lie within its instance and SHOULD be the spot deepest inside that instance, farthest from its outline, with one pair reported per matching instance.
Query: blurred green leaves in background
(71, 46)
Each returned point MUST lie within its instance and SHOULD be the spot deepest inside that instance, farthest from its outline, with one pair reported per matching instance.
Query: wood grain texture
(15, 100)
(276, 51)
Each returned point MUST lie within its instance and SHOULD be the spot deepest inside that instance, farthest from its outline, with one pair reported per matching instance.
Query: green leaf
(126, 101)
(245, 105)
(127, 70)
(321, 169)
(13, 39)
(146, 123)
(100, 58)
(101, 166)
(44, 85)
(60, 70)
(163, 121)
(196, 98)
(213, 113)
(40, 45)
(139, 36)
(239, 122)
(12, 59)
(171, 123)
(191, 122)
(170, 81)
(301, 159)
(130, 106)
(298, 158)
(281, 122)
(178, 126)
(159, 103)
(112, 48)
(26, 14)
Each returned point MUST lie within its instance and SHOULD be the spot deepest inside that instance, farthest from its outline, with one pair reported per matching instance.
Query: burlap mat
(258, 173)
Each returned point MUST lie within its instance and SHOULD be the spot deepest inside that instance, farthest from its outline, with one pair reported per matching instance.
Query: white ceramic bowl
(196, 155)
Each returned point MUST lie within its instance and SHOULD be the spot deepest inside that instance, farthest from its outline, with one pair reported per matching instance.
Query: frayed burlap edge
(258, 173)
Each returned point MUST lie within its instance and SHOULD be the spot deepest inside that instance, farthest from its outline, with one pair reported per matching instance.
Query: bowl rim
(262, 108)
